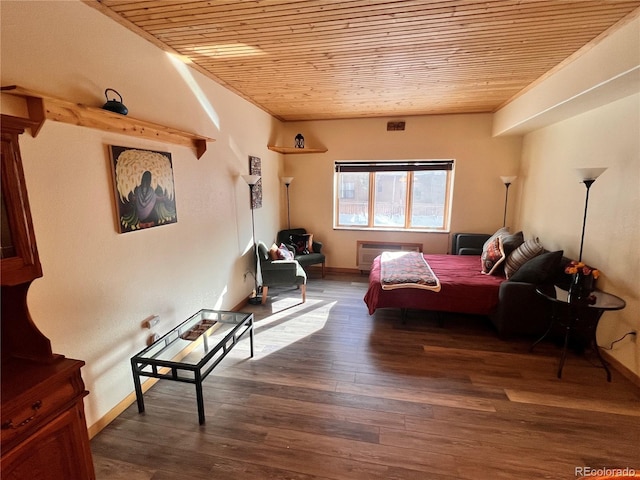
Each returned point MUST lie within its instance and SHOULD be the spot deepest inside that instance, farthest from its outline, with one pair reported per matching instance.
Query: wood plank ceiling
(327, 59)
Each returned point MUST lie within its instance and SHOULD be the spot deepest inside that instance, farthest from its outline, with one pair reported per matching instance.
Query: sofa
(520, 310)
(307, 251)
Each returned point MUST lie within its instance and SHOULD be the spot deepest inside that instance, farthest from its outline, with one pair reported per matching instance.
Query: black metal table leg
(199, 398)
(251, 335)
(563, 356)
(138, 387)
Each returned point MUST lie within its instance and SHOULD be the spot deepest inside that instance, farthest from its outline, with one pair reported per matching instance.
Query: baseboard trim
(622, 369)
(112, 414)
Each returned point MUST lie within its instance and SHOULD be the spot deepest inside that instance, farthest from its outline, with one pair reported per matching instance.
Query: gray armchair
(280, 272)
(305, 259)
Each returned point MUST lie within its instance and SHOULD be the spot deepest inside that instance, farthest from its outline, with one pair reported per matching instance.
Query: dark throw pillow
(511, 242)
(301, 243)
(540, 269)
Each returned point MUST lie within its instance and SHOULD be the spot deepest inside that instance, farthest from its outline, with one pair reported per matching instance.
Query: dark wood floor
(333, 393)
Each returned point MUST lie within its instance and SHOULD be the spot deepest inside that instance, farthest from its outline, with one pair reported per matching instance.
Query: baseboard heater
(368, 250)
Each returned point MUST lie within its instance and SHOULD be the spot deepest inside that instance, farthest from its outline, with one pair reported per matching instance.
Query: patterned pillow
(301, 243)
(285, 253)
(521, 255)
(502, 232)
(273, 252)
(492, 257)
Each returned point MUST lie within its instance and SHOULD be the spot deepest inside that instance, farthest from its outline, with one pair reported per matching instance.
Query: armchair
(280, 272)
(305, 259)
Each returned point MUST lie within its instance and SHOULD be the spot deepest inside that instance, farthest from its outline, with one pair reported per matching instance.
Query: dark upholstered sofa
(520, 311)
(313, 257)
(523, 312)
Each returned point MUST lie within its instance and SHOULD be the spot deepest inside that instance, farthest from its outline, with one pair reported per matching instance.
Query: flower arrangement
(581, 268)
(583, 281)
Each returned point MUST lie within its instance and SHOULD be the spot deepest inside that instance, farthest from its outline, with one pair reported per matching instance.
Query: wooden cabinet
(43, 430)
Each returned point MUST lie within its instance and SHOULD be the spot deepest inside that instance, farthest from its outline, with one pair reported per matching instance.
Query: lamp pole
(251, 181)
(587, 176)
(287, 181)
(507, 180)
(588, 184)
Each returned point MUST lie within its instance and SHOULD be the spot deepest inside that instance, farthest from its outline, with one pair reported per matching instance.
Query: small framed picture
(255, 168)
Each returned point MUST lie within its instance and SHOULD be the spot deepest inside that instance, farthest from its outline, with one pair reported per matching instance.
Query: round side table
(582, 314)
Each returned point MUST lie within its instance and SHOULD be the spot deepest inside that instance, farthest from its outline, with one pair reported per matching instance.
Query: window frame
(407, 166)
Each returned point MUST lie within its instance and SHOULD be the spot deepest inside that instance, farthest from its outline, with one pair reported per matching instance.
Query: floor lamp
(251, 181)
(587, 176)
(287, 181)
(507, 180)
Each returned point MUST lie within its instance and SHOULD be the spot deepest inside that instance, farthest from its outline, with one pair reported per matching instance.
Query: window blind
(390, 166)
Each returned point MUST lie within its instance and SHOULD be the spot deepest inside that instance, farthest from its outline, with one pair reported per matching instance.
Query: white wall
(99, 285)
(478, 193)
(552, 205)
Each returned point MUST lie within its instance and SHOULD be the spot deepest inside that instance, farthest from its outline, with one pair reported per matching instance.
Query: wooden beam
(43, 107)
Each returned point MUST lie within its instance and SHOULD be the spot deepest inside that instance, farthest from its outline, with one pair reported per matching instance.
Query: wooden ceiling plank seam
(316, 22)
(366, 10)
(516, 30)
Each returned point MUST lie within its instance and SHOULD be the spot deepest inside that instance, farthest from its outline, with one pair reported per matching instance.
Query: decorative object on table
(252, 181)
(144, 190)
(255, 168)
(114, 105)
(588, 176)
(583, 281)
(287, 181)
(299, 141)
(507, 180)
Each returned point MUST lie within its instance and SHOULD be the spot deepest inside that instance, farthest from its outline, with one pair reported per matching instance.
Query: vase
(581, 286)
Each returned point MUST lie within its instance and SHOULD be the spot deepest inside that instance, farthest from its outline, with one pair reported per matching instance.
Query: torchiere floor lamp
(251, 181)
(507, 180)
(287, 181)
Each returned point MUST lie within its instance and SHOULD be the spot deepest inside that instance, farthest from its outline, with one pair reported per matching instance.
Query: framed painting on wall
(255, 168)
(144, 190)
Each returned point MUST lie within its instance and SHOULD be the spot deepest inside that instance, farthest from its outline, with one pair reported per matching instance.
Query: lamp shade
(251, 179)
(590, 173)
(286, 180)
(508, 179)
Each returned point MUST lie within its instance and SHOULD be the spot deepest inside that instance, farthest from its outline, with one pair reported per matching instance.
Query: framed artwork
(255, 168)
(143, 184)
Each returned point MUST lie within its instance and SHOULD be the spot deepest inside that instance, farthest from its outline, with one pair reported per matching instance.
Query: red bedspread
(463, 288)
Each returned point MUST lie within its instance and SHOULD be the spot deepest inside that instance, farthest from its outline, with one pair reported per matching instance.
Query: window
(400, 195)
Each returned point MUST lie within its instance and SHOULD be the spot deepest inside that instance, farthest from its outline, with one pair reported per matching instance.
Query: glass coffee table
(189, 352)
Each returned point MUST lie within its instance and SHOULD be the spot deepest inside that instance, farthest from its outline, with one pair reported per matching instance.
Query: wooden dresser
(42, 424)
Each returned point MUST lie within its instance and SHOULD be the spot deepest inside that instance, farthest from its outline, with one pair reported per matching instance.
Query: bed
(463, 288)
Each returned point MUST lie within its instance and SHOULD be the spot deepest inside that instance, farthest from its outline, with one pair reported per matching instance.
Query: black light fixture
(587, 176)
(299, 141)
(507, 180)
(287, 181)
(251, 181)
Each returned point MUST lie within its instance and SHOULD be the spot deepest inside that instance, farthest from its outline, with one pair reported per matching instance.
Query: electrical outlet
(151, 321)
